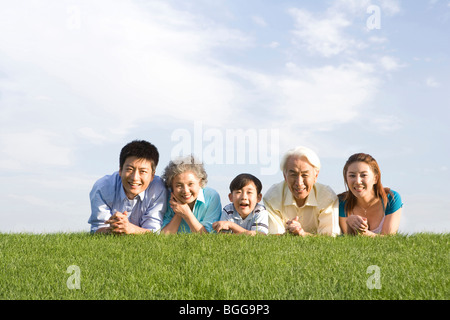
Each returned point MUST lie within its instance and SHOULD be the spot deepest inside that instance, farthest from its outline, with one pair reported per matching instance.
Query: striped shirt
(257, 220)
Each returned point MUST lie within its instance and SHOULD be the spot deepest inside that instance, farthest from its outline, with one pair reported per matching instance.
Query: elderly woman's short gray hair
(184, 164)
(300, 152)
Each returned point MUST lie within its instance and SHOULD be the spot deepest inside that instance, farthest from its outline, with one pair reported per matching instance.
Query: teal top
(394, 203)
(207, 210)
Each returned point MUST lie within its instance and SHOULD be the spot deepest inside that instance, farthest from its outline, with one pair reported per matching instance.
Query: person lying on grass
(367, 208)
(299, 204)
(192, 207)
(132, 200)
(244, 214)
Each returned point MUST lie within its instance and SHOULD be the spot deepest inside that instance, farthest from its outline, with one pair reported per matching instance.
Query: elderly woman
(367, 208)
(192, 207)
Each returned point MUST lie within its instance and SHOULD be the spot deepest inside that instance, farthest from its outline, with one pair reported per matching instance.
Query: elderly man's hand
(293, 226)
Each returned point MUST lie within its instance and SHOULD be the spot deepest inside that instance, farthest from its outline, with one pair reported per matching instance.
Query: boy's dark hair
(141, 149)
(243, 179)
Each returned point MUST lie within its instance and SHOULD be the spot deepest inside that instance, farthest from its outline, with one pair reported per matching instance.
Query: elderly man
(299, 204)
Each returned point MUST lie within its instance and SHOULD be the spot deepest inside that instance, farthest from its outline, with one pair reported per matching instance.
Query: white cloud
(389, 7)
(353, 6)
(326, 96)
(389, 63)
(321, 35)
(274, 44)
(130, 64)
(315, 98)
(432, 83)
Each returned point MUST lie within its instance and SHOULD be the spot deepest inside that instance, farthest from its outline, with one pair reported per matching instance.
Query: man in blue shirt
(132, 200)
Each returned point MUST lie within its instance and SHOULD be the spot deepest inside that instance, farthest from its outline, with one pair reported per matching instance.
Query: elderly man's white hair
(300, 152)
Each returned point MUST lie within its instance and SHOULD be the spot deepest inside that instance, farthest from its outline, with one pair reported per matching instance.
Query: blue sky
(79, 79)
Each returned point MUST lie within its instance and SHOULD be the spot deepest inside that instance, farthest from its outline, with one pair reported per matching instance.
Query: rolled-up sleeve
(272, 202)
(100, 210)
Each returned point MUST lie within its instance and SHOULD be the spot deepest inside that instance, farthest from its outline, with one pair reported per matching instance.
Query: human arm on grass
(354, 224)
(328, 216)
(393, 213)
(101, 207)
(209, 211)
(275, 220)
(119, 224)
(294, 226)
(185, 212)
(172, 219)
(107, 214)
(155, 206)
(181, 211)
(390, 225)
(235, 228)
(351, 224)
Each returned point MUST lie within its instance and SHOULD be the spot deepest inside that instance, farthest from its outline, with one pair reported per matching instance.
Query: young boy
(244, 214)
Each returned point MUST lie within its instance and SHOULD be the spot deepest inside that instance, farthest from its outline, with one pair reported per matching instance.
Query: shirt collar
(201, 196)
(290, 201)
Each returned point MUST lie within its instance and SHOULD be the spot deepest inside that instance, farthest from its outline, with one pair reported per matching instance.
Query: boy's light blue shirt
(146, 210)
(207, 210)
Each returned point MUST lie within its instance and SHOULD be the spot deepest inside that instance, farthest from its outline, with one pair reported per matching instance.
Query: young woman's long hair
(380, 191)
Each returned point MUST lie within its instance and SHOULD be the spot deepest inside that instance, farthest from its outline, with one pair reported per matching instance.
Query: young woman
(192, 207)
(367, 208)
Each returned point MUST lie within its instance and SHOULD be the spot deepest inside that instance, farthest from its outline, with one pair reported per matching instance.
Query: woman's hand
(358, 224)
(182, 210)
(179, 208)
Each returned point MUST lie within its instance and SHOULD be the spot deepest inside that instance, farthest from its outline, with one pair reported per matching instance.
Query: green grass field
(223, 267)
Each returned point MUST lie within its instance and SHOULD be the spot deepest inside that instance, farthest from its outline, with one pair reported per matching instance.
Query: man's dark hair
(242, 180)
(140, 149)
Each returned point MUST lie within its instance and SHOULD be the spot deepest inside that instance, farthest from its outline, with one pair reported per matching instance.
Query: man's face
(300, 177)
(136, 174)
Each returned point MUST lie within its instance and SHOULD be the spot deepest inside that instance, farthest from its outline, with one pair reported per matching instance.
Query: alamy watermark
(229, 146)
(374, 281)
(74, 281)
(374, 20)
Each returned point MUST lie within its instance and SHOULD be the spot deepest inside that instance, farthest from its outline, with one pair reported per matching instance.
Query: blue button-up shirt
(146, 210)
(207, 210)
